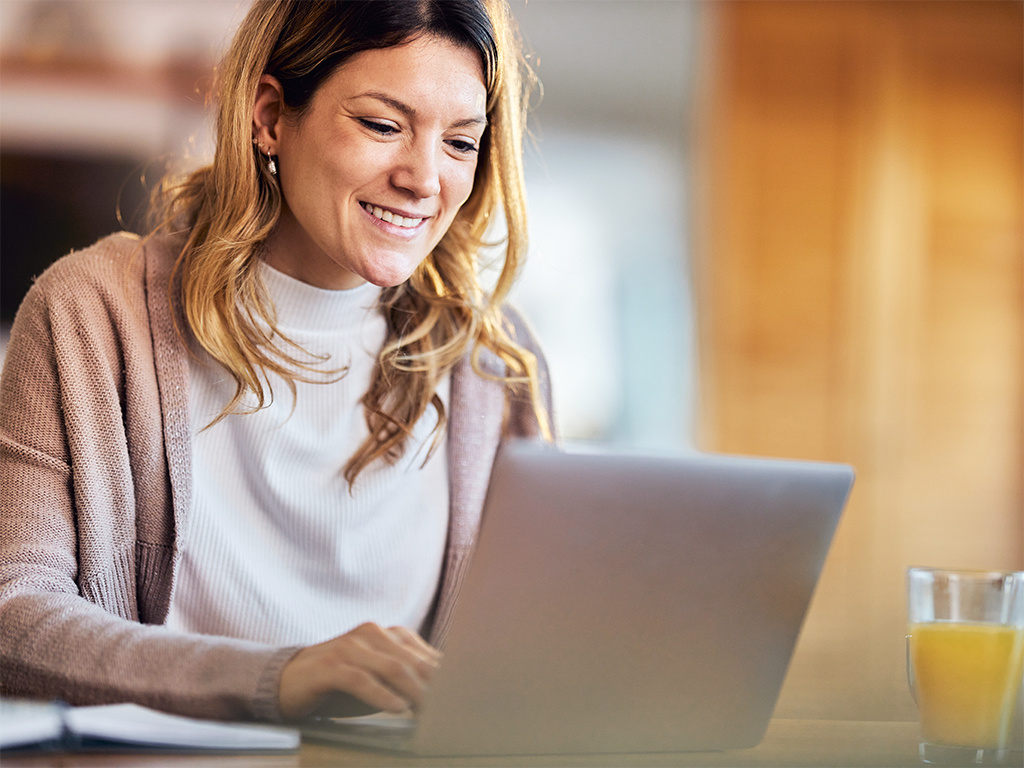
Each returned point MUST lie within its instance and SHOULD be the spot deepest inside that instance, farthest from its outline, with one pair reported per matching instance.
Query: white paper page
(140, 725)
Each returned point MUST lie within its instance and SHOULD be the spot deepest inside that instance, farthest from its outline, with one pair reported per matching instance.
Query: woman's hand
(386, 669)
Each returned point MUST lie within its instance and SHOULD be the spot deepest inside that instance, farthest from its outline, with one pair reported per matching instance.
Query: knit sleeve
(76, 562)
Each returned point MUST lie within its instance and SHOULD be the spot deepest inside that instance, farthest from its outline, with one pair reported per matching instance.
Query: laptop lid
(620, 603)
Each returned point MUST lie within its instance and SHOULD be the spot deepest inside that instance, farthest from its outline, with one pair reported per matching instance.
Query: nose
(418, 170)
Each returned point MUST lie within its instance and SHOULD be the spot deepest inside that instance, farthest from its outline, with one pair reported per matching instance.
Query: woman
(243, 459)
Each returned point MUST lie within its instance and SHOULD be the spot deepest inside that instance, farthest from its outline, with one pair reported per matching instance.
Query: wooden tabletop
(792, 743)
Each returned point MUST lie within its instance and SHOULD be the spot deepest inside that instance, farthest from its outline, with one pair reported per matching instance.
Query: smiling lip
(400, 219)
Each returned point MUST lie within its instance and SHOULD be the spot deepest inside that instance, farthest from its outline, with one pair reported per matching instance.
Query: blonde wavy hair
(442, 312)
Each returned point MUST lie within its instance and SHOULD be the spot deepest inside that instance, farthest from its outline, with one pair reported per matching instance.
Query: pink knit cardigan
(95, 489)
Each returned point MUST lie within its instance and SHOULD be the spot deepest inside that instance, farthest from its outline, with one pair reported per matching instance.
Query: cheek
(346, 171)
(459, 186)
(303, 176)
(335, 166)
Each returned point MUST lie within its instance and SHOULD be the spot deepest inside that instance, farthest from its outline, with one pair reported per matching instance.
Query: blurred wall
(860, 207)
(607, 280)
(94, 96)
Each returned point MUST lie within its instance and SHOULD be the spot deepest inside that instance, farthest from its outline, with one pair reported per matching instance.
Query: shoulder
(519, 329)
(105, 267)
(484, 357)
(531, 406)
(95, 298)
(106, 275)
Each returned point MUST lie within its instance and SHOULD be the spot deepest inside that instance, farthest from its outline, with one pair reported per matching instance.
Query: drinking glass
(965, 655)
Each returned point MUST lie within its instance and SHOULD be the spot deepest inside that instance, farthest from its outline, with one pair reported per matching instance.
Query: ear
(267, 113)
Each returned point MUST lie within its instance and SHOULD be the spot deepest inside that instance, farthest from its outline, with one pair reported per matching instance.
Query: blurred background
(757, 226)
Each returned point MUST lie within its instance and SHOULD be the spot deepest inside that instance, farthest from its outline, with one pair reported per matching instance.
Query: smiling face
(374, 172)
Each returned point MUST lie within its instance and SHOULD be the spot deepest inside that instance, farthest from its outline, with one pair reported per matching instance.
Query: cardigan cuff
(267, 703)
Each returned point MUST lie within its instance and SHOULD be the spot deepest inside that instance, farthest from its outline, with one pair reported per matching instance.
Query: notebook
(45, 726)
(621, 604)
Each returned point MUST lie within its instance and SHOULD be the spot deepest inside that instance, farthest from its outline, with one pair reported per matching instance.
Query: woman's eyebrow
(410, 112)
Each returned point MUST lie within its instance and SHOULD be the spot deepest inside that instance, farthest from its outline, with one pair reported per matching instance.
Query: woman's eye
(384, 129)
(463, 146)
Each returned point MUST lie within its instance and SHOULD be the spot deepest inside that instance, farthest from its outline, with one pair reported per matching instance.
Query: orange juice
(966, 677)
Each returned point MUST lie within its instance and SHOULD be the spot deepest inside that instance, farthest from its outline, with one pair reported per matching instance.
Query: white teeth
(392, 218)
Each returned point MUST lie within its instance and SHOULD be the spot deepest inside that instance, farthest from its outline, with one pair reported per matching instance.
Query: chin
(390, 274)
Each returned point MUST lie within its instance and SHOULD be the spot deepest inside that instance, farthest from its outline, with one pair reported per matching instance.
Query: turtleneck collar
(304, 307)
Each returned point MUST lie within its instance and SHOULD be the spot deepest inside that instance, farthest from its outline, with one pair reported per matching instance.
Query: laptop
(623, 604)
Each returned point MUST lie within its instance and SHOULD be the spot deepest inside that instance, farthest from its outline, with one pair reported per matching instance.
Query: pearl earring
(271, 165)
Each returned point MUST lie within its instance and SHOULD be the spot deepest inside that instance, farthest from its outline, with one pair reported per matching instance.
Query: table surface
(793, 743)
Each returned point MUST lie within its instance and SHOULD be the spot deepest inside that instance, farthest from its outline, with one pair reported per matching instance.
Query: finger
(414, 641)
(402, 644)
(427, 657)
(323, 671)
(387, 670)
(368, 686)
(374, 650)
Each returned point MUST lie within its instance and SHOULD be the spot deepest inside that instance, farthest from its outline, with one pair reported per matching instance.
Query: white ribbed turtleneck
(278, 550)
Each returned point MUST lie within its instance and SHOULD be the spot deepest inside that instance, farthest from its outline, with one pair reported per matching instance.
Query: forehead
(427, 73)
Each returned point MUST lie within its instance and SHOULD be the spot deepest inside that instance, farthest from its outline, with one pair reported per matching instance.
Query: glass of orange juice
(965, 654)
